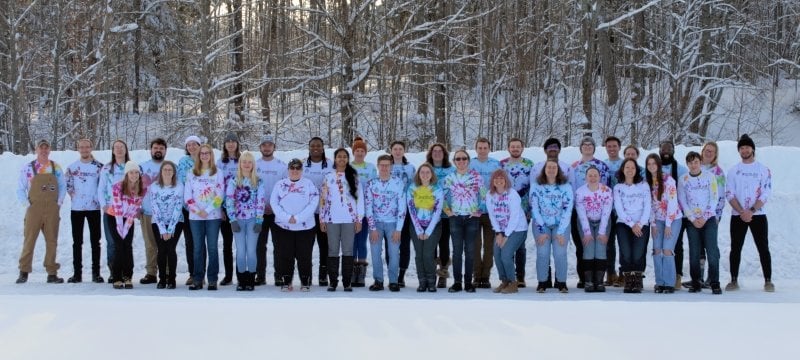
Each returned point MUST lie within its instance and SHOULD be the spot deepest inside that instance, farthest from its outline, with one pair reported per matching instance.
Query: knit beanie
(131, 166)
(745, 140)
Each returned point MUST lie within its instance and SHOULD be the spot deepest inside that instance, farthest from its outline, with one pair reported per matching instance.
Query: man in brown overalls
(42, 186)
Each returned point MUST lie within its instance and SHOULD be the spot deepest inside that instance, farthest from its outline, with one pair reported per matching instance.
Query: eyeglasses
(295, 168)
(461, 159)
(205, 153)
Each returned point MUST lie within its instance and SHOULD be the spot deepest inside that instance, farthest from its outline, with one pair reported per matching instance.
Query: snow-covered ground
(80, 321)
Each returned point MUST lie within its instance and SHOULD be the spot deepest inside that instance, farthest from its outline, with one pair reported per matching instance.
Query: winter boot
(23, 277)
(347, 272)
(333, 273)
(627, 278)
(401, 278)
(362, 275)
(240, 283)
(250, 281)
(502, 286)
(323, 273)
(588, 283)
(637, 285)
(442, 273)
(599, 285)
(511, 288)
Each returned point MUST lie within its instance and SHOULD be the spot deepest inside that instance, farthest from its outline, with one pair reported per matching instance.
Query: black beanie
(552, 141)
(745, 140)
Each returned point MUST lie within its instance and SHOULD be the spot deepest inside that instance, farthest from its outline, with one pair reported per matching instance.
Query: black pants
(291, 246)
(167, 255)
(227, 244)
(443, 250)
(188, 241)
(77, 219)
(405, 244)
(577, 236)
(322, 246)
(123, 252)
(679, 247)
(267, 227)
(760, 230)
(611, 245)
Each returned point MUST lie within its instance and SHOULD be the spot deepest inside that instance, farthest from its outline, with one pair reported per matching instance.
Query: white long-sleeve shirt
(748, 183)
(339, 207)
(295, 198)
(150, 170)
(632, 203)
(505, 212)
(167, 206)
(270, 172)
(30, 169)
(594, 206)
(698, 196)
(82, 181)
(204, 192)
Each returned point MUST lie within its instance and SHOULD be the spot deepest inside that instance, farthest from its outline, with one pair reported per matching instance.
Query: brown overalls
(42, 215)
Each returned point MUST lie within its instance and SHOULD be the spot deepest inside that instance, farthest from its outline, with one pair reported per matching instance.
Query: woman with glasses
(425, 201)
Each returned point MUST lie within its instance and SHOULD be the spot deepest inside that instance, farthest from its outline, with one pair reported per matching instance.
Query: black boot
(588, 285)
(599, 272)
(240, 284)
(323, 273)
(628, 281)
(347, 272)
(250, 281)
(359, 274)
(23, 277)
(333, 273)
(401, 278)
(354, 276)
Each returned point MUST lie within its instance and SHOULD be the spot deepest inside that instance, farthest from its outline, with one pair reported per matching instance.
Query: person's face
(359, 154)
(746, 152)
(694, 165)
(592, 177)
(341, 159)
(398, 151)
(515, 149)
(462, 161)
(167, 172)
(85, 149)
(247, 165)
(267, 149)
(612, 149)
(551, 169)
(425, 174)
(587, 149)
(552, 152)
(631, 153)
(119, 149)
(667, 151)
(385, 168)
(499, 183)
(437, 154)
(652, 167)
(295, 172)
(709, 153)
(192, 147)
(231, 146)
(482, 149)
(206, 155)
(133, 175)
(157, 152)
(315, 148)
(43, 150)
(629, 170)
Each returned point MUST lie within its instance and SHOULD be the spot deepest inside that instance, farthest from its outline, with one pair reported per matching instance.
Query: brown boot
(500, 288)
(511, 288)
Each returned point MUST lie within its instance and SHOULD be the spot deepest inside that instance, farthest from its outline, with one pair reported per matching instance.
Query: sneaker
(469, 288)
(305, 288)
(23, 277)
(394, 287)
(97, 279)
(118, 285)
(687, 284)
(226, 281)
(431, 289)
(189, 281)
(348, 288)
(377, 286)
(161, 285)
(769, 286)
(198, 286)
(74, 279)
(669, 290)
(54, 279)
(455, 288)
(520, 283)
(732, 286)
(286, 288)
(541, 288)
(562, 287)
(171, 285)
(715, 289)
(500, 287)
(148, 279)
(128, 284)
(212, 286)
(332, 287)
(422, 288)
(659, 289)
(696, 288)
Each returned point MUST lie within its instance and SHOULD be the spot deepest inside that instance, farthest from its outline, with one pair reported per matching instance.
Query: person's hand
(637, 230)
(396, 237)
(542, 238)
(422, 236)
(500, 240)
(292, 220)
(560, 239)
(202, 213)
(654, 231)
(323, 227)
(667, 231)
(256, 228)
(374, 236)
(166, 237)
(587, 238)
(358, 227)
(603, 239)
(235, 227)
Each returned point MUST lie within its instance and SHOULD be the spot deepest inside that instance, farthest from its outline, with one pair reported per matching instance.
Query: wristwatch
(752, 209)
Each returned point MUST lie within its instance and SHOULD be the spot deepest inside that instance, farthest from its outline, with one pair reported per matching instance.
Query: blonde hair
(198, 165)
(716, 151)
(247, 155)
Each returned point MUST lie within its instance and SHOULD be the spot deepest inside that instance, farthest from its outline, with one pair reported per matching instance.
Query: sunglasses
(461, 159)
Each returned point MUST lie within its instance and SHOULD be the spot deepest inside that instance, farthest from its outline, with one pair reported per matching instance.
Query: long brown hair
(659, 175)
(114, 158)
(560, 177)
(198, 165)
(174, 179)
(417, 179)
(126, 186)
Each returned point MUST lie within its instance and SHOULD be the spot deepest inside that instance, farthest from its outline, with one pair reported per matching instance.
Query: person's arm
(230, 201)
(644, 220)
(313, 195)
(62, 184)
(515, 213)
(281, 215)
(606, 199)
(683, 199)
(412, 210)
(438, 204)
(567, 204)
(24, 184)
(580, 207)
(402, 207)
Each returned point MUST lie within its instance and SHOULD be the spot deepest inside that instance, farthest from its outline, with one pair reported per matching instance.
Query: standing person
(519, 170)
(366, 172)
(41, 185)
(748, 187)
(593, 202)
(203, 194)
(404, 171)
(82, 178)
(671, 167)
(151, 170)
(317, 167)
(439, 157)
(665, 223)
(551, 205)
(126, 199)
(185, 165)
(465, 196)
(294, 200)
(425, 202)
(633, 205)
(510, 227)
(385, 209)
(228, 164)
(612, 145)
(166, 201)
(577, 177)
(698, 196)
(110, 174)
(244, 203)
(485, 239)
(341, 213)
(270, 170)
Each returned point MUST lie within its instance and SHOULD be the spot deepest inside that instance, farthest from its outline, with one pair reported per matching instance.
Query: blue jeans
(632, 249)
(549, 246)
(360, 241)
(504, 256)
(463, 230)
(664, 265)
(107, 231)
(385, 231)
(205, 234)
(595, 249)
(246, 241)
(699, 239)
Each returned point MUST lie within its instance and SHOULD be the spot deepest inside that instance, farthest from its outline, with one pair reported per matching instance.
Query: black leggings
(760, 230)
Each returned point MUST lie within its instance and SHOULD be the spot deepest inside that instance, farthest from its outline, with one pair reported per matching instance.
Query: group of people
(468, 212)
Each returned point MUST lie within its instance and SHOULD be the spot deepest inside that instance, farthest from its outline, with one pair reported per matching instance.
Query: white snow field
(89, 321)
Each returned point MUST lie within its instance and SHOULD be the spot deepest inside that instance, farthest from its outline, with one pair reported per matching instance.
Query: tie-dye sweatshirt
(110, 174)
(385, 202)
(465, 192)
(150, 170)
(520, 174)
(185, 166)
(167, 206)
(718, 174)
(338, 206)
(425, 205)
(82, 181)
(551, 205)
(698, 196)
(632, 203)
(28, 172)
(294, 198)
(665, 208)
(594, 206)
(404, 172)
(748, 183)
(366, 171)
(505, 212)
(204, 192)
(485, 169)
(577, 172)
(245, 200)
(126, 208)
